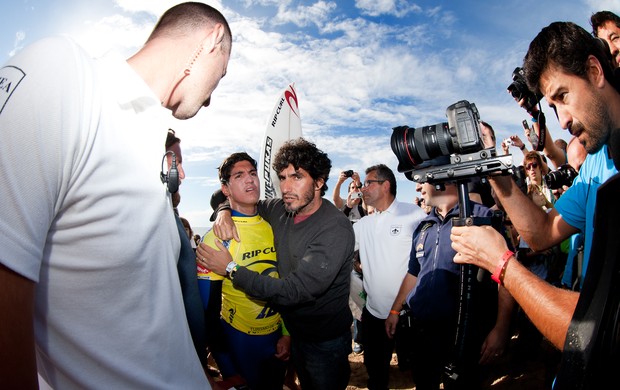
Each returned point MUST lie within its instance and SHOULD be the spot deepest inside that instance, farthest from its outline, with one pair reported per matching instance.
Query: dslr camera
(519, 90)
(447, 151)
(431, 145)
(563, 176)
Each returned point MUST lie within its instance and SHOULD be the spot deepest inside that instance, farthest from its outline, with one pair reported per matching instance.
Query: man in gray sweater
(314, 242)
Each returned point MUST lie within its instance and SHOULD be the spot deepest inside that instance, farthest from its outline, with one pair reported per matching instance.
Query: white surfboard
(284, 124)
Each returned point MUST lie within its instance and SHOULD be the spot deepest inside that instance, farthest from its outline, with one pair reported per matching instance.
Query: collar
(130, 89)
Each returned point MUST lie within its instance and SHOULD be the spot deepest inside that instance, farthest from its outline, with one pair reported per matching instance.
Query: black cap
(217, 198)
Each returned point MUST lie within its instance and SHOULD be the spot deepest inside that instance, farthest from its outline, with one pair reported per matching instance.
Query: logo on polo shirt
(10, 77)
(395, 230)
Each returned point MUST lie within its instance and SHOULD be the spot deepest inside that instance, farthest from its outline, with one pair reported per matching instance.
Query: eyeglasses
(367, 183)
(529, 166)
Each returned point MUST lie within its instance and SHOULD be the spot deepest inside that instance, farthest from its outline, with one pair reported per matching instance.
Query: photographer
(538, 135)
(571, 69)
(353, 207)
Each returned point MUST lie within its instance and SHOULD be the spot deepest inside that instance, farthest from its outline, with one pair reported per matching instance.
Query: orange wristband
(498, 275)
(395, 312)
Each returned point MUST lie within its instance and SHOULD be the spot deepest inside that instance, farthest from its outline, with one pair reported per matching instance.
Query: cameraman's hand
(342, 177)
(532, 112)
(356, 179)
(479, 245)
(516, 141)
(505, 146)
(353, 199)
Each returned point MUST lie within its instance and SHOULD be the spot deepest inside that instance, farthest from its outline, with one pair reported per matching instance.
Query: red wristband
(395, 312)
(498, 275)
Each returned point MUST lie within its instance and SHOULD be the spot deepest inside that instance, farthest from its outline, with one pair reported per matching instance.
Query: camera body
(563, 176)
(348, 173)
(432, 145)
(447, 151)
(519, 90)
(357, 195)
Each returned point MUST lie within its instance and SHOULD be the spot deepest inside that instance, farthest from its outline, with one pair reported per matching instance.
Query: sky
(360, 68)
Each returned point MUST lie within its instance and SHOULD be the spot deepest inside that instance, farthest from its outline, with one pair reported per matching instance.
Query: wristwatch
(231, 268)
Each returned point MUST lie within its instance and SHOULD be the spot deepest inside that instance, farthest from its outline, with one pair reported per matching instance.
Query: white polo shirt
(384, 243)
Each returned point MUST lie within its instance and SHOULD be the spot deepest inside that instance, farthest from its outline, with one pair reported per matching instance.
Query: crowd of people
(281, 291)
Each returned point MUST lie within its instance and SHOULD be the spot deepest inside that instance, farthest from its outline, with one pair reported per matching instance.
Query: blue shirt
(436, 293)
(577, 204)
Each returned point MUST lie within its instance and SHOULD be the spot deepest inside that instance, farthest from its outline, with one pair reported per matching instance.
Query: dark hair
(227, 165)
(533, 155)
(384, 173)
(567, 46)
(490, 128)
(301, 153)
(171, 139)
(188, 17)
(186, 225)
(599, 18)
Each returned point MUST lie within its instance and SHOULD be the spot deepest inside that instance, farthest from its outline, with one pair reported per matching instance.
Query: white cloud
(302, 15)
(398, 8)
(17, 44)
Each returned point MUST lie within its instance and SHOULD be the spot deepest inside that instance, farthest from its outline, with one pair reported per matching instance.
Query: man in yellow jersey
(249, 341)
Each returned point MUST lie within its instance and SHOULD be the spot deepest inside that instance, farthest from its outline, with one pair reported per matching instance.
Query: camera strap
(542, 133)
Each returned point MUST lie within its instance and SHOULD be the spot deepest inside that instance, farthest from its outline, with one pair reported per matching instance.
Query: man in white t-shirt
(82, 154)
(384, 243)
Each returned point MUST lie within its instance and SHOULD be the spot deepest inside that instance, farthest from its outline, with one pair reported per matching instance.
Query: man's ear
(225, 190)
(595, 71)
(318, 184)
(215, 37)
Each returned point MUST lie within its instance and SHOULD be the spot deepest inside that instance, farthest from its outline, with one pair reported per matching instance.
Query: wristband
(498, 275)
(395, 312)
(522, 147)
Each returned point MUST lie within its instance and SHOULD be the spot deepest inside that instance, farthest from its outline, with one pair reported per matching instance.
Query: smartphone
(532, 136)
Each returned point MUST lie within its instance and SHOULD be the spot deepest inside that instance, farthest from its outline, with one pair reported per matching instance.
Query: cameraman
(571, 69)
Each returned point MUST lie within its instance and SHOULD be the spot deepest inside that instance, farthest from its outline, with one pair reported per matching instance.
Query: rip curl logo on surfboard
(283, 124)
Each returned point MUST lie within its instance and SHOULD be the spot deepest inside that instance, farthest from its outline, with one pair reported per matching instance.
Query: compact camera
(563, 176)
(357, 195)
(348, 173)
(431, 145)
(519, 90)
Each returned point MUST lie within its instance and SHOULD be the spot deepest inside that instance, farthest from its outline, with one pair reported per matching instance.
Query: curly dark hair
(567, 46)
(304, 154)
(225, 168)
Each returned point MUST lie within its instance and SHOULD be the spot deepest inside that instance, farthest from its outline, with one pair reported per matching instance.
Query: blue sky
(360, 68)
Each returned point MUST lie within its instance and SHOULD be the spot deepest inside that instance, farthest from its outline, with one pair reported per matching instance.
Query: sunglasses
(529, 166)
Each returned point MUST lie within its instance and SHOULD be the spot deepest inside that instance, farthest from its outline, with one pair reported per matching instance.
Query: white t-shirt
(384, 242)
(86, 216)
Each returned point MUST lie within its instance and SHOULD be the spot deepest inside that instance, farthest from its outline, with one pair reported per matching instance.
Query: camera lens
(563, 176)
(413, 147)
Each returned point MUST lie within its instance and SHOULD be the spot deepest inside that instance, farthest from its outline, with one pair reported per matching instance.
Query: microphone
(171, 179)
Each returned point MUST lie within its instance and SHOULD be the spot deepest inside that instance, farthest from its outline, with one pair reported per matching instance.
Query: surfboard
(283, 124)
